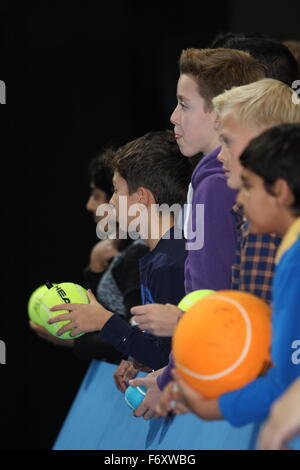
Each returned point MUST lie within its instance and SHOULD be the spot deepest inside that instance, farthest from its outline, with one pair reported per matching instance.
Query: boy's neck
(285, 223)
(215, 143)
(157, 231)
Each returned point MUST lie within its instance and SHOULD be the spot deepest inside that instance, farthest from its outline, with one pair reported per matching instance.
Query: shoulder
(214, 186)
(287, 275)
(170, 255)
(137, 249)
(291, 257)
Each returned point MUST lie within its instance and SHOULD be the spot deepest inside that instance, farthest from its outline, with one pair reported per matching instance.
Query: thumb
(139, 310)
(137, 381)
(91, 297)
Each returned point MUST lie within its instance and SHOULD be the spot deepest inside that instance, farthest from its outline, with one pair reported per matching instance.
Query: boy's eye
(246, 187)
(224, 140)
(182, 104)
(95, 196)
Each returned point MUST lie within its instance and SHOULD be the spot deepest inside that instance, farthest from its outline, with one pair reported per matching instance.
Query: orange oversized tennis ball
(223, 342)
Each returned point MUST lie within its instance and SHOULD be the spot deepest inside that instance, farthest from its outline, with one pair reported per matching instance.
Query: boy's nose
(220, 156)
(111, 201)
(90, 206)
(175, 117)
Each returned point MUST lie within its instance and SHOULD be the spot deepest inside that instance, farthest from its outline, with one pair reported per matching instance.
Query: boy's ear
(217, 122)
(145, 196)
(283, 193)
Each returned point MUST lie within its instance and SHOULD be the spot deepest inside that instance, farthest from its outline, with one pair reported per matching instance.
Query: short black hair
(277, 59)
(276, 154)
(223, 38)
(100, 173)
(155, 162)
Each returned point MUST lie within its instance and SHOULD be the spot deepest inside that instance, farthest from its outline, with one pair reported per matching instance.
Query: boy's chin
(255, 229)
(232, 183)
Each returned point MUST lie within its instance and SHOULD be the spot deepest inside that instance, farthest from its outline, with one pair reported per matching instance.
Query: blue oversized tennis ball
(190, 299)
(65, 292)
(134, 396)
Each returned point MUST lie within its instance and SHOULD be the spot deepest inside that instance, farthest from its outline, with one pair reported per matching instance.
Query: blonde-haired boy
(243, 113)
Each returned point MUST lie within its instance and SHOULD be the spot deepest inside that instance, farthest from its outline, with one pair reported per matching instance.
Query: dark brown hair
(154, 162)
(217, 70)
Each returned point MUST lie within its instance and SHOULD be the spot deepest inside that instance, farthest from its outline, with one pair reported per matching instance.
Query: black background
(78, 76)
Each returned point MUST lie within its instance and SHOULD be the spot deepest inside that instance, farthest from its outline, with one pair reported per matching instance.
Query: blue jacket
(252, 402)
(162, 281)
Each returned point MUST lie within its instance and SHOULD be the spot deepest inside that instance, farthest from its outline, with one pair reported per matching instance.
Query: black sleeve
(126, 274)
(92, 346)
(92, 279)
(152, 351)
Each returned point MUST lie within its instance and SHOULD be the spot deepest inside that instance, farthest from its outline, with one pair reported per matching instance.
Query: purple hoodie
(210, 266)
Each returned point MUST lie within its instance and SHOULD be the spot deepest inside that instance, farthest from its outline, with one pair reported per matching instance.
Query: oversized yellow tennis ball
(223, 342)
(33, 306)
(193, 297)
(65, 292)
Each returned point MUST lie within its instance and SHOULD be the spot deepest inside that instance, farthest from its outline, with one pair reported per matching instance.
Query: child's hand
(44, 334)
(83, 318)
(158, 319)
(284, 421)
(204, 408)
(101, 253)
(148, 405)
(125, 372)
(171, 401)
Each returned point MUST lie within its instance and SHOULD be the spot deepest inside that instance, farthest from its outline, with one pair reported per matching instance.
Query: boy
(244, 113)
(270, 196)
(147, 171)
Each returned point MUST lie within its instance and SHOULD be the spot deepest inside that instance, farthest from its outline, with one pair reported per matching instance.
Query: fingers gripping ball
(66, 292)
(33, 307)
(134, 396)
(190, 299)
(223, 342)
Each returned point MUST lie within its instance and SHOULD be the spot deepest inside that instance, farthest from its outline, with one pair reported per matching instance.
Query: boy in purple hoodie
(204, 73)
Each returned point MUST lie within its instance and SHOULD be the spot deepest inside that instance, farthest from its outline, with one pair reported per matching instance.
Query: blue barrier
(100, 419)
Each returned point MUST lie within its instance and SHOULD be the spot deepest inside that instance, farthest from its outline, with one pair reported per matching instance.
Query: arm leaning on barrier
(158, 319)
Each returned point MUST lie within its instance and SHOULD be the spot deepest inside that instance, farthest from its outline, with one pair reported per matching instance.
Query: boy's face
(97, 197)
(260, 207)
(120, 196)
(194, 127)
(234, 138)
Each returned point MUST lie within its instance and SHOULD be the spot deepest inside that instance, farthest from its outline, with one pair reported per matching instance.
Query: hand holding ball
(134, 396)
(223, 342)
(45, 297)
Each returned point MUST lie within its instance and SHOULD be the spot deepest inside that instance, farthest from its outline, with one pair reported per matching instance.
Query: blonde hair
(267, 102)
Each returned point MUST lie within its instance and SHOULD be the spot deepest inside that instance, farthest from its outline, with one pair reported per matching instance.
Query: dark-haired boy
(147, 172)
